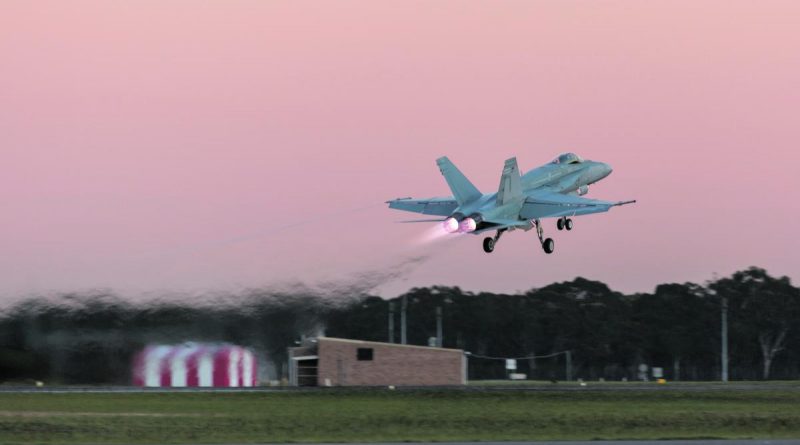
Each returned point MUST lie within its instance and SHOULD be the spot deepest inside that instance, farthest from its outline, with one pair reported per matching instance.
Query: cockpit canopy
(568, 158)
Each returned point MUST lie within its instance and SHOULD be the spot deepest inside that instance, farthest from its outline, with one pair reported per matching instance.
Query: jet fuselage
(553, 190)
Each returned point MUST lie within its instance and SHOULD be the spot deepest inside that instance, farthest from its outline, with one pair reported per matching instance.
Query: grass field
(382, 415)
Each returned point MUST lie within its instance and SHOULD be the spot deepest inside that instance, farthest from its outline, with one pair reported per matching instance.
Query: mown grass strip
(364, 416)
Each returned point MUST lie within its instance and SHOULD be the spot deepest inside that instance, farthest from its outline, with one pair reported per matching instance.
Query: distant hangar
(325, 361)
(195, 365)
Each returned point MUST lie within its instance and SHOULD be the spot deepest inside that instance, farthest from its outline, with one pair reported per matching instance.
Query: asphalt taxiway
(557, 387)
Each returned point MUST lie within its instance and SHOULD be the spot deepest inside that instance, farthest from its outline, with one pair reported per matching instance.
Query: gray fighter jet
(553, 190)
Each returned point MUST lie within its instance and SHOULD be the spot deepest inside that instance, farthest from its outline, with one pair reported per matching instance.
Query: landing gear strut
(547, 243)
(564, 223)
(489, 242)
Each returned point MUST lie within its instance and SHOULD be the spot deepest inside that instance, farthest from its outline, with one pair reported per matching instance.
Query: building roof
(365, 342)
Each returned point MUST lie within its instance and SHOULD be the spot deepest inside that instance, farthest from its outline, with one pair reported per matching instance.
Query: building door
(305, 370)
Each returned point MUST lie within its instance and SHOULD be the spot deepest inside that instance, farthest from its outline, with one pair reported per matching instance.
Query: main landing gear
(564, 223)
(489, 241)
(547, 243)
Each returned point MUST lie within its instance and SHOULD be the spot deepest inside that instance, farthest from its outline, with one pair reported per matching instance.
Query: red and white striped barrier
(195, 365)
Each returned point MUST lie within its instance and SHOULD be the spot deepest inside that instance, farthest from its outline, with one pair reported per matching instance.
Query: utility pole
(403, 307)
(724, 355)
(391, 322)
(569, 366)
(439, 339)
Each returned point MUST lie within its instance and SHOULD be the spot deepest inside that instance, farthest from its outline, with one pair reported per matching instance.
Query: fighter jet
(553, 190)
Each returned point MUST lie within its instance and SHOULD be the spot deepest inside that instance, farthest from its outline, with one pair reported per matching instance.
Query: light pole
(439, 338)
(403, 308)
(569, 365)
(391, 322)
(724, 335)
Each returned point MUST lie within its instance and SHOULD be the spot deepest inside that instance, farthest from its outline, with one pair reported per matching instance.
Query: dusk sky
(195, 146)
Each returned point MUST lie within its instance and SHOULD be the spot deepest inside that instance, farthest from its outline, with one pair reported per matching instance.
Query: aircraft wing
(432, 206)
(553, 205)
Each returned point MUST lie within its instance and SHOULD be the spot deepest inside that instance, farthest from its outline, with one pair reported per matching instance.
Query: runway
(607, 442)
(557, 387)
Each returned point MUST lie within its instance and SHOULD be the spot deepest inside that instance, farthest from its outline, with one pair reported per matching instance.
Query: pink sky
(149, 146)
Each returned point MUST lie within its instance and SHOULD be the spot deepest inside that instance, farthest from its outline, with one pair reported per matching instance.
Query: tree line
(92, 338)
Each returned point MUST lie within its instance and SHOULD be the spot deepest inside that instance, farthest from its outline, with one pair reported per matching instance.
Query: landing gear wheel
(560, 224)
(548, 245)
(488, 244)
(568, 224)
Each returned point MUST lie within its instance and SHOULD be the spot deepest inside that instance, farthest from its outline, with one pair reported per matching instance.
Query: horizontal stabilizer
(433, 206)
(408, 221)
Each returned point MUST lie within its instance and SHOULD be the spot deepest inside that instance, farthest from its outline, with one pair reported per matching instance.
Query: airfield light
(450, 225)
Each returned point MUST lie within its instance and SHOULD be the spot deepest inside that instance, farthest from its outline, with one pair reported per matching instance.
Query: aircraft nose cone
(602, 170)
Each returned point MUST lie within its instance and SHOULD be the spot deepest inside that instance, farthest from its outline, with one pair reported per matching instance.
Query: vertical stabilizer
(510, 185)
(462, 189)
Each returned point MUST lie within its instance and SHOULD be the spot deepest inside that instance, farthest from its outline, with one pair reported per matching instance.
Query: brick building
(327, 361)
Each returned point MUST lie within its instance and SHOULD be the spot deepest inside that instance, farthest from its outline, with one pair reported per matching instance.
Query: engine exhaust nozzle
(450, 225)
(467, 225)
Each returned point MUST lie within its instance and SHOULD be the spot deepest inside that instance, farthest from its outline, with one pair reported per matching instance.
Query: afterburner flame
(450, 225)
(467, 225)
(436, 234)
